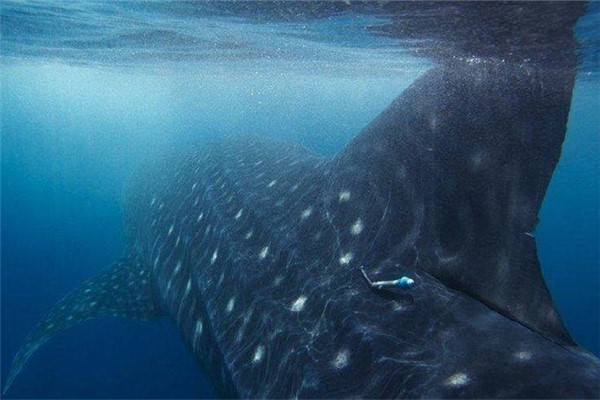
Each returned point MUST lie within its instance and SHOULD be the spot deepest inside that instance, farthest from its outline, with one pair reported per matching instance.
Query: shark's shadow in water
(253, 247)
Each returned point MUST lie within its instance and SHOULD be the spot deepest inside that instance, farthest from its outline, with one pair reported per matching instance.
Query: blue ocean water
(73, 132)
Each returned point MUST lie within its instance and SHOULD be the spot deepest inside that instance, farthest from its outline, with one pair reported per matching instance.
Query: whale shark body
(254, 248)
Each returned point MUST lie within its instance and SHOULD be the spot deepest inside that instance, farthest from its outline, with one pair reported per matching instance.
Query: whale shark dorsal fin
(123, 289)
(475, 145)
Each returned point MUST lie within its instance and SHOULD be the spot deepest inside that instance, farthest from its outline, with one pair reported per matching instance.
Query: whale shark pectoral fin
(123, 289)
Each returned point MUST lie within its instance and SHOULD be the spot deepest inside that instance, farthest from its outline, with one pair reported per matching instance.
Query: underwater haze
(92, 90)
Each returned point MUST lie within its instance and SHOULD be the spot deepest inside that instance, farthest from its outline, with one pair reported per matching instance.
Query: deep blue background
(71, 136)
(568, 233)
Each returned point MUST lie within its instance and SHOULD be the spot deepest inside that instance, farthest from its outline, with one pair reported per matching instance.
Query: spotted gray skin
(253, 248)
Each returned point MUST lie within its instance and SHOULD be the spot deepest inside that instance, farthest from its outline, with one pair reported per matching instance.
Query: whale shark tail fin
(123, 289)
(474, 145)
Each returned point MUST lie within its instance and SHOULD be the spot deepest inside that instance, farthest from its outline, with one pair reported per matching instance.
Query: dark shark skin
(253, 247)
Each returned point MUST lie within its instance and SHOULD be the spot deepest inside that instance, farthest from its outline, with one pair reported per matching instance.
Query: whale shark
(403, 266)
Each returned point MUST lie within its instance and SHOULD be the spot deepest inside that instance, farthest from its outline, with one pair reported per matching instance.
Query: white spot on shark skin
(194, 186)
(200, 217)
(177, 241)
(188, 287)
(272, 183)
(239, 213)
(523, 355)
(298, 305)
(341, 359)
(240, 335)
(396, 306)
(263, 253)
(230, 304)
(214, 257)
(198, 329)
(153, 201)
(306, 213)
(457, 380)
(249, 234)
(177, 267)
(259, 354)
(433, 122)
(247, 316)
(197, 332)
(344, 196)
(346, 258)
(170, 230)
(357, 227)
(478, 159)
